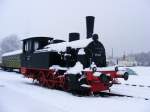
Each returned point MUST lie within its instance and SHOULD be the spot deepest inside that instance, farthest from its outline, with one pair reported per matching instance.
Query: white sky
(121, 24)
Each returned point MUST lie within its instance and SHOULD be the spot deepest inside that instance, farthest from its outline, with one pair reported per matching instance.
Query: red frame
(49, 78)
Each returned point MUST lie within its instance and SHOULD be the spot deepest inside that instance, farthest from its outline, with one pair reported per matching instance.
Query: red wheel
(51, 80)
(42, 78)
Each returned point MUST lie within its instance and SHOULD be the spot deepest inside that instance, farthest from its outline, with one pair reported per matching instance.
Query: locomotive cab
(35, 43)
(29, 57)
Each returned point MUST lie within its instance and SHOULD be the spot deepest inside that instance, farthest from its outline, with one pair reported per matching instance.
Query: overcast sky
(123, 25)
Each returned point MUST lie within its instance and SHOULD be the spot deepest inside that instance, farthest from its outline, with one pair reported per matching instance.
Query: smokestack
(90, 25)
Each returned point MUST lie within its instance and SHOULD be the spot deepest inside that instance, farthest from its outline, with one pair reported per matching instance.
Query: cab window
(36, 45)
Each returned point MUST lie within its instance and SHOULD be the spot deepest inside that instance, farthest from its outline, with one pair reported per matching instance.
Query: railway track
(137, 85)
(107, 94)
(131, 95)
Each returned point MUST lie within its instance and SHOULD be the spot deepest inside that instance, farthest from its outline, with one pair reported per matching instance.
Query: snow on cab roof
(61, 47)
(32, 37)
(12, 53)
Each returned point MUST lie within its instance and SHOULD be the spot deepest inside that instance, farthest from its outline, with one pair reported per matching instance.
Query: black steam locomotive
(76, 66)
(54, 54)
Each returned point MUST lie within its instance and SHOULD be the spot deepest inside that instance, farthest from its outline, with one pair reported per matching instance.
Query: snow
(57, 67)
(61, 47)
(19, 94)
(77, 69)
(35, 36)
(81, 52)
(12, 53)
(97, 74)
(85, 85)
(142, 77)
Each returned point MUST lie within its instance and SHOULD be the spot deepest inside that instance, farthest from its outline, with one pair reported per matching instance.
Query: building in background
(127, 61)
(122, 61)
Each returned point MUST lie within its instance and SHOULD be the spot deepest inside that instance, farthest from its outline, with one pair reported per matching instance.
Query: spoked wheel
(51, 80)
(42, 78)
(67, 84)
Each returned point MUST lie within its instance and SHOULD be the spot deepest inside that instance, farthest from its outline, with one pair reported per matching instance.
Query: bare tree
(10, 43)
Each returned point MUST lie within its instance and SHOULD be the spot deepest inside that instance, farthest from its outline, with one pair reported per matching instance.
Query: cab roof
(37, 38)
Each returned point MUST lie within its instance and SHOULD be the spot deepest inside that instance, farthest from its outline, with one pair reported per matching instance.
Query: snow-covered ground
(18, 94)
(137, 85)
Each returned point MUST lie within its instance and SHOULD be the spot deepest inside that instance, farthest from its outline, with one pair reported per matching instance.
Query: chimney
(90, 25)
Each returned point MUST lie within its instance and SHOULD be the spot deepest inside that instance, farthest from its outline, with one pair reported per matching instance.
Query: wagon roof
(12, 53)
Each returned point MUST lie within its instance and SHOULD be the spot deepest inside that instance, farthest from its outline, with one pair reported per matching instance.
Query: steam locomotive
(78, 66)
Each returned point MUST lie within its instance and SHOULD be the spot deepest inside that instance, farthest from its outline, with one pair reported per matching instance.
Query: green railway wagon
(11, 61)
